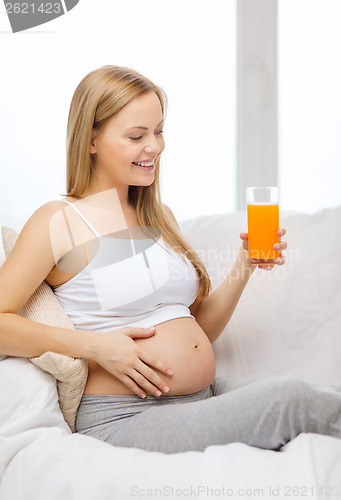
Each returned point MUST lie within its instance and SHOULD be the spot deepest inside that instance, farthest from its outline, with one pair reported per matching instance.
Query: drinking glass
(263, 224)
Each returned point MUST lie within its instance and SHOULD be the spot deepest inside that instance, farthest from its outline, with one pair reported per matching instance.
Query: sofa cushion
(70, 373)
(288, 319)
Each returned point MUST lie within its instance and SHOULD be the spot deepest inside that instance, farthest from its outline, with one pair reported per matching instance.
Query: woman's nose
(153, 146)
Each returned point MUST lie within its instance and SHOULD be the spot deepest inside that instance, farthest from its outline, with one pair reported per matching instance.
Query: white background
(189, 48)
(186, 47)
(309, 35)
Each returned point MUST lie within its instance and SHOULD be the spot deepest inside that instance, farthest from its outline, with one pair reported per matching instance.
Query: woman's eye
(138, 138)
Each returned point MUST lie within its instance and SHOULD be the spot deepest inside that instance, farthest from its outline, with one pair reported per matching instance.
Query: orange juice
(263, 224)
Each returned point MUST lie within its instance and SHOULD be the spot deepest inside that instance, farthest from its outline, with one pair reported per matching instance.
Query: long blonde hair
(100, 95)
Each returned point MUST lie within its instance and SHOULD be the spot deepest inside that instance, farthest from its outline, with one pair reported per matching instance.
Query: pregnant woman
(139, 295)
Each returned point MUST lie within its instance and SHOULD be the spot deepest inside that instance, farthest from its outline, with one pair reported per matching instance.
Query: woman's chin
(144, 182)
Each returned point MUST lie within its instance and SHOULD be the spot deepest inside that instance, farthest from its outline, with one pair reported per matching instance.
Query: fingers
(137, 369)
(244, 237)
(156, 363)
(131, 384)
(266, 267)
(141, 378)
(280, 246)
(135, 333)
(149, 373)
(149, 381)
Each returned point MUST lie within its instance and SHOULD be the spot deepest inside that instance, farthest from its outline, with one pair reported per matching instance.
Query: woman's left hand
(277, 246)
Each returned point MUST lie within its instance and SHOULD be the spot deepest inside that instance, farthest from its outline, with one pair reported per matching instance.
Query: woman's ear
(93, 143)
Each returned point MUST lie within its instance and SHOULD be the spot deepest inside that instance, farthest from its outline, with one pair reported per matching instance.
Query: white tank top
(129, 282)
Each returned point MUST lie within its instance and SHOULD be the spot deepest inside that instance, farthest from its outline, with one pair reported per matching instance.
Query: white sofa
(287, 321)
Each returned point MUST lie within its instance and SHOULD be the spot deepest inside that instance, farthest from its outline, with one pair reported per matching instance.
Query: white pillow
(31, 398)
(71, 374)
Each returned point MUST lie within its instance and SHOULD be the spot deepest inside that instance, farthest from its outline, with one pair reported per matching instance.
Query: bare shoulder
(36, 231)
(47, 210)
(30, 260)
(50, 206)
(39, 222)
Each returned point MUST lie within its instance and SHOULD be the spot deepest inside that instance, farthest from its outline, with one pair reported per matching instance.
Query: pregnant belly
(182, 345)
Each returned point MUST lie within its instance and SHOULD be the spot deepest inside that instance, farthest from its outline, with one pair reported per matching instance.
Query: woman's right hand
(118, 354)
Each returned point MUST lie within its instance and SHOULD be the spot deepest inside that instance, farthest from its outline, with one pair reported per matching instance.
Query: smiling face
(127, 145)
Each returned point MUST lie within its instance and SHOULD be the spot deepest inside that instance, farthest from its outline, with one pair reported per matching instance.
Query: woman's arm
(215, 311)
(25, 338)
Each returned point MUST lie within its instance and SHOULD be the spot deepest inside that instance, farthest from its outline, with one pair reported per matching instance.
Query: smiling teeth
(145, 164)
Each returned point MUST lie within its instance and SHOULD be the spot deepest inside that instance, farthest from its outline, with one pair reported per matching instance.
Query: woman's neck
(121, 191)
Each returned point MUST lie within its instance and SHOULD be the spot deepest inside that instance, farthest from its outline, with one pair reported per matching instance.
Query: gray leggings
(266, 414)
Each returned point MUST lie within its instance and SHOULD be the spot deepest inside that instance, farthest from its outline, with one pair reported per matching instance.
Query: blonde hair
(100, 95)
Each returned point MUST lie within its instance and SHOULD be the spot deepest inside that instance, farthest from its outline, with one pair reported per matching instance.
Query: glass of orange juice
(263, 224)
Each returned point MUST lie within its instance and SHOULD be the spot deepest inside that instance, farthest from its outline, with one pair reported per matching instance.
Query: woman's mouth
(144, 165)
